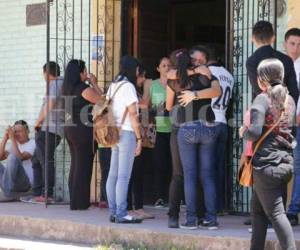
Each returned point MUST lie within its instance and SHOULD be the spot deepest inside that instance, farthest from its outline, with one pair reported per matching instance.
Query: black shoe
(128, 220)
(248, 222)
(173, 222)
(210, 225)
(200, 221)
(293, 219)
(159, 203)
(112, 218)
(188, 225)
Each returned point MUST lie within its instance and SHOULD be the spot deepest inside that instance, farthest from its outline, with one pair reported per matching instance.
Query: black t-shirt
(196, 110)
(81, 108)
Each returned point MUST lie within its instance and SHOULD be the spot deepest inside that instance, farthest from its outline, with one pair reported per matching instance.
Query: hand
(6, 136)
(242, 131)
(186, 97)
(11, 133)
(172, 74)
(92, 79)
(138, 149)
(38, 125)
(203, 70)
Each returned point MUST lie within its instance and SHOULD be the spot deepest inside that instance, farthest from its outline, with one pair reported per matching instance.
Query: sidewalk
(92, 227)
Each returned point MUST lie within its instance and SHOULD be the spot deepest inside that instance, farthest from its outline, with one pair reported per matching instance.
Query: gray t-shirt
(56, 116)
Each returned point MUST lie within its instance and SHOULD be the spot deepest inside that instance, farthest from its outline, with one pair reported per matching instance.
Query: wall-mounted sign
(98, 44)
(36, 14)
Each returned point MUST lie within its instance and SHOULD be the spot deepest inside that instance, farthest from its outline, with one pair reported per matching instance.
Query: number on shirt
(223, 101)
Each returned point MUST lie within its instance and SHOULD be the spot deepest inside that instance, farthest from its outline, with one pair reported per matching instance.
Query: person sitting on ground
(16, 178)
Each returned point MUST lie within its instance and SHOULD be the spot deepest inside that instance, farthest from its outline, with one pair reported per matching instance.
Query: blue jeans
(294, 207)
(13, 178)
(196, 143)
(121, 163)
(220, 164)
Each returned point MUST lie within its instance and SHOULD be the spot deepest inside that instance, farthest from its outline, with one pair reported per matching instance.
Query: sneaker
(36, 199)
(173, 222)
(189, 226)
(293, 219)
(210, 225)
(128, 220)
(159, 203)
(103, 204)
(112, 218)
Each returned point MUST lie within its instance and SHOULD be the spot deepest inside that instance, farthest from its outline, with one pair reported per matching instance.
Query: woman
(79, 130)
(273, 161)
(125, 109)
(162, 153)
(196, 138)
(136, 184)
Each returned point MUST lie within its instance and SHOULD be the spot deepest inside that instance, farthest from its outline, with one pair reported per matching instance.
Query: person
(292, 47)
(263, 37)
(273, 161)
(16, 178)
(162, 153)
(125, 110)
(196, 137)
(79, 96)
(51, 116)
(135, 197)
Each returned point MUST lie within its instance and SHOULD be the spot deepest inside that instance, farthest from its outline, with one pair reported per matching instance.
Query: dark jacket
(267, 52)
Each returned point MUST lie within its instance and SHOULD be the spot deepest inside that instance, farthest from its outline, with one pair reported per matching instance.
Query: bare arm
(43, 114)
(146, 94)
(203, 70)
(134, 119)
(15, 149)
(3, 152)
(91, 95)
(170, 99)
(188, 96)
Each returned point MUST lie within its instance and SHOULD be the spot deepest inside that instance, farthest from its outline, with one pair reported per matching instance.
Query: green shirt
(158, 98)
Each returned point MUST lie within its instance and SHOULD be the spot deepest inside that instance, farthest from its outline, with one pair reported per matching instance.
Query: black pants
(267, 205)
(81, 143)
(163, 165)
(38, 163)
(176, 192)
(104, 158)
(135, 198)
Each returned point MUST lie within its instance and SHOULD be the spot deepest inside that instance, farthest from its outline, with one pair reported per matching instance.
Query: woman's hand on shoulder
(203, 70)
(186, 97)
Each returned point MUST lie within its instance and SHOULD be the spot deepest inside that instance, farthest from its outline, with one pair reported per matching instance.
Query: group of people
(181, 119)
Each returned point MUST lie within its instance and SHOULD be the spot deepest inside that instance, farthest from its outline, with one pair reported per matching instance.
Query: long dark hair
(181, 61)
(128, 66)
(72, 76)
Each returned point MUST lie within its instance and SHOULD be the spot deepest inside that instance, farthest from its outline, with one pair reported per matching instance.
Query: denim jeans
(196, 142)
(13, 178)
(220, 164)
(122, 158)
(294, 207)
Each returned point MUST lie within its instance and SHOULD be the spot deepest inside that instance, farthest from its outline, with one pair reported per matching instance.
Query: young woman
(79, 97)
(273, 161)
(136, 184)
(125, 108)
(196, 138)
(162, 154)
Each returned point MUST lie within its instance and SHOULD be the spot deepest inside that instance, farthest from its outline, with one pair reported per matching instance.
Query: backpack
(106, 131)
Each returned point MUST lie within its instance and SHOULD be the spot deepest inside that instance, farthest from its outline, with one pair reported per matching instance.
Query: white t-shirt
(28, 147)
(297, 70)
(125, 96)
(219, 104)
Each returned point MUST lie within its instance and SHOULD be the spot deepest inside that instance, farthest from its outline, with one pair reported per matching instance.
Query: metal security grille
(244, 14)
(87, 30)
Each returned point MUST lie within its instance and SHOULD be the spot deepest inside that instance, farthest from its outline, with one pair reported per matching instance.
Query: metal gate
(87, 30)
(244, 14)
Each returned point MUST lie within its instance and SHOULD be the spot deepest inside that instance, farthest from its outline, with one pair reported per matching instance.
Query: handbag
(245, 171)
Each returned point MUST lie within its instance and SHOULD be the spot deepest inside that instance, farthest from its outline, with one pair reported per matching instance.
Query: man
(292, 47)
(17, 176)
(51, 116)
(263, 37)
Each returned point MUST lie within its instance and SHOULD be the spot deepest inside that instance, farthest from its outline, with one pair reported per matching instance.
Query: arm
(3, 152)
(146, 94)
(91, 95)
(170, 99)
(43, 114)
(188, 96)
(134, 119)
(257, 118)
